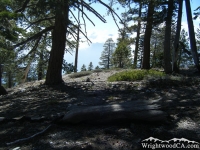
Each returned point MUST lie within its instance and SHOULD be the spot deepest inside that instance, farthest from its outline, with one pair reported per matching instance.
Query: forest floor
(180, 99)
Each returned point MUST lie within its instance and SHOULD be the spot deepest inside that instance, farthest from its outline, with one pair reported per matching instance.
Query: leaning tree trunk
(167, 42)
(54, 71)
(175, 66)
(138, 36)
(192, 35)
(147, 36)
(1, 72)
(24, 77)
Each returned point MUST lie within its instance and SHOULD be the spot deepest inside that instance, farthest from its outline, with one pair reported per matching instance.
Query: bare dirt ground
(32, 107)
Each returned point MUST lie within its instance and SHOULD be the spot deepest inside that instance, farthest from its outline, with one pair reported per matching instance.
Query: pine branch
(84, 15)
(40, 20)
(83, 18)
(81, 32)
(34, 47)
(89, 8)
(73, 16)
(35, 36)
(23, 6)
(112, 11)
(72, 34)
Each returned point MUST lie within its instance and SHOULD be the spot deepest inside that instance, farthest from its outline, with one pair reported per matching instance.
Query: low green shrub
(80, 74)
(133, 75)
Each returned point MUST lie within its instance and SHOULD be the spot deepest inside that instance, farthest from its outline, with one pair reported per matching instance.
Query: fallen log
(134, 110)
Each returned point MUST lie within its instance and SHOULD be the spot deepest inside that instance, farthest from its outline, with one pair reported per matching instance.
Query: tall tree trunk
(9, 79)
(77, 47)
(154, 54)
(192, 34)
(77, 44)
(2, 89)
(167, 42)
(54, 71)
(25, 73)
(40, 65)
(175, 66)
(147, 36)
(108, 66)
(138, 36)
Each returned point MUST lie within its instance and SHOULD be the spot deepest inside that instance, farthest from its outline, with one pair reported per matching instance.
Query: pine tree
(122, 55)
(57, 19)
(83, 68)
(90, 67)
(175, 52)
(147, 36)
(157, 49)
(106, 54)
(198, 39)
(185, 56)
(8, 36)
(167, 42)
(97, 67)
(192, 35)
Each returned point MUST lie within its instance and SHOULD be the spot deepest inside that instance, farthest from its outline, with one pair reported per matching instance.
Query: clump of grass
(133, 75)
(107, 70)
(97, 70)
(80, 74)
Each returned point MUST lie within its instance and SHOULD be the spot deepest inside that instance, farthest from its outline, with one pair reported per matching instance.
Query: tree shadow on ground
(181, 104)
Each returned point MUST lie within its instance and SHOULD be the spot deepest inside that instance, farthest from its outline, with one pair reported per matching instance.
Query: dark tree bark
(40, 66)
(1, 71)
(54, 72)
(167, 42)
(154, 53)
(175, 66)
(2, 90)
(192, 35)
(147, 36)
(76, 54)
(10, 79)
(108, 66)
(138, 36)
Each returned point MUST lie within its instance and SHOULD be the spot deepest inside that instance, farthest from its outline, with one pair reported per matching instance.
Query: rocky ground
(32, 107)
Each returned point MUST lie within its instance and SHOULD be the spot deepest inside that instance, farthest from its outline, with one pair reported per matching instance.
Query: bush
(133, 75)
(80, 74)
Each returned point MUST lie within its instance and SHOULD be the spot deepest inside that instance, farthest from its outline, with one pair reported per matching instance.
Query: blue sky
(99, 33)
